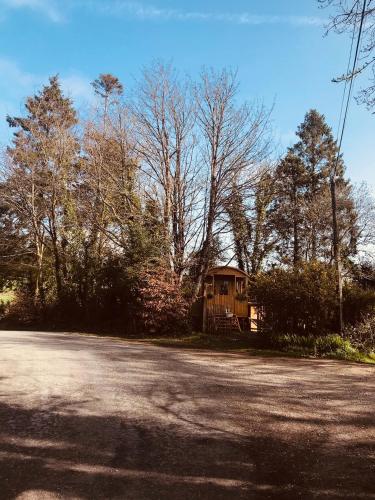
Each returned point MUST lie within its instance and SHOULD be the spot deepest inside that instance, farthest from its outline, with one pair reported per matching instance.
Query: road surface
(83, 417)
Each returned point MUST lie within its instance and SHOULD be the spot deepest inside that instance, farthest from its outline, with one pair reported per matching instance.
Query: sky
(278, 48)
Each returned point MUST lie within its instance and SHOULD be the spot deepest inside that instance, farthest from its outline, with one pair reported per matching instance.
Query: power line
(352, 77)
(347, 73)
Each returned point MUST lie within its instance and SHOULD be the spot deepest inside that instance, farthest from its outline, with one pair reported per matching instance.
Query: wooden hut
(226, 302)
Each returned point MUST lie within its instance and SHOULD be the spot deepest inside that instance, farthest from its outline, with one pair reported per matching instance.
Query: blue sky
(277, 46)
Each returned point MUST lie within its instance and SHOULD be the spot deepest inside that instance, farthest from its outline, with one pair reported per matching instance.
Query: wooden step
(223, 323)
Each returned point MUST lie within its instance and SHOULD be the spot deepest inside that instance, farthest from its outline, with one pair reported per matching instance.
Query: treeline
(115, 218)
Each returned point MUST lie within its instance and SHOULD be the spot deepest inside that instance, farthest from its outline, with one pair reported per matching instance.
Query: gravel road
(84, 417)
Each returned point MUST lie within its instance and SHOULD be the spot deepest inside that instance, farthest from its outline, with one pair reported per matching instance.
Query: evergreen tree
(317, 151)
(44, 157)
(302, 213)
(289, 208)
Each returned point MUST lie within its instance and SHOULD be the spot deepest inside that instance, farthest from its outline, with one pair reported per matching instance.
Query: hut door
(224, 294)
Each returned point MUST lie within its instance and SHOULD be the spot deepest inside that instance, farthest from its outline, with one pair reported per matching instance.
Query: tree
(251, 223)
(42, 175)
(164, 115)
(17, 257)
(347, 18)
(364, 221)
(322, 211)
(107, 87)
(240, 227)
(289, 206)
(235, 142)
(303, 210)
(317, 151)
(117, 218)
(264, 239)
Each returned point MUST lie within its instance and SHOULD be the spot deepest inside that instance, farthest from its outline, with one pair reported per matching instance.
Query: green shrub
(330, 343)
(303, 300)
(300, 301)
(309, 344)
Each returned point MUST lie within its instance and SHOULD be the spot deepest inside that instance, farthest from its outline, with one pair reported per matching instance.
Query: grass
(255, 345)
(358, 357)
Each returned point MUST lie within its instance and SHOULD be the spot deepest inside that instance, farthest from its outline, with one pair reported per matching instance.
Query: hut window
(224, 288)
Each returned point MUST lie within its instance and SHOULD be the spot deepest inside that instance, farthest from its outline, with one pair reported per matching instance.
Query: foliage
(300, 301)
(362, 335)
(303, 300)
(302, 209)
(3, 309)
(162, 308)
(332, 346)
(251, 224)
(363, 274)
(7, 297)
(358, 302)
(114, 220)
(318, 345)
(22, 309)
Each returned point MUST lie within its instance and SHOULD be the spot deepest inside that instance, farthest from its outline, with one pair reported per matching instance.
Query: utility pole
(336, 247)
(336, 241)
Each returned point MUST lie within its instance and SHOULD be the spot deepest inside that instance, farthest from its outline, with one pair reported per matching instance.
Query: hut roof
(228, 270)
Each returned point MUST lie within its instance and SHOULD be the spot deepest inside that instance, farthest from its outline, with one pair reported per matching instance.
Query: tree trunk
(296, 256)
(204, 259)
(38, 290)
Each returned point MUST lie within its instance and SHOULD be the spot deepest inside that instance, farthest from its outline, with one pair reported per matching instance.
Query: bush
(162, 309)
(303, 301)
(308, 343)
(362, 335)
(300, 301)
(22, 310)
(330, 343)
(358, 302)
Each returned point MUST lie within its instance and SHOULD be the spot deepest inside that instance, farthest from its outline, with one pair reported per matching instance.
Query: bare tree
(111, 167)
(234, 141)
(364, 222)
(165, 118)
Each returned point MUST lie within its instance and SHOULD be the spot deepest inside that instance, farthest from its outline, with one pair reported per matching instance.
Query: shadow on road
(152, 462)
(195, 440)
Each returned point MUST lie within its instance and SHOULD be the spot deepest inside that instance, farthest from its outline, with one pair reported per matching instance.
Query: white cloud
(77, 88)
(47, 8)
(15, 76)
(146, 12)
(149, 12)
(16, 84)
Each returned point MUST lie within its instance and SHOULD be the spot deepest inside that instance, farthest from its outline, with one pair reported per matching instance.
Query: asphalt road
(83, 417)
